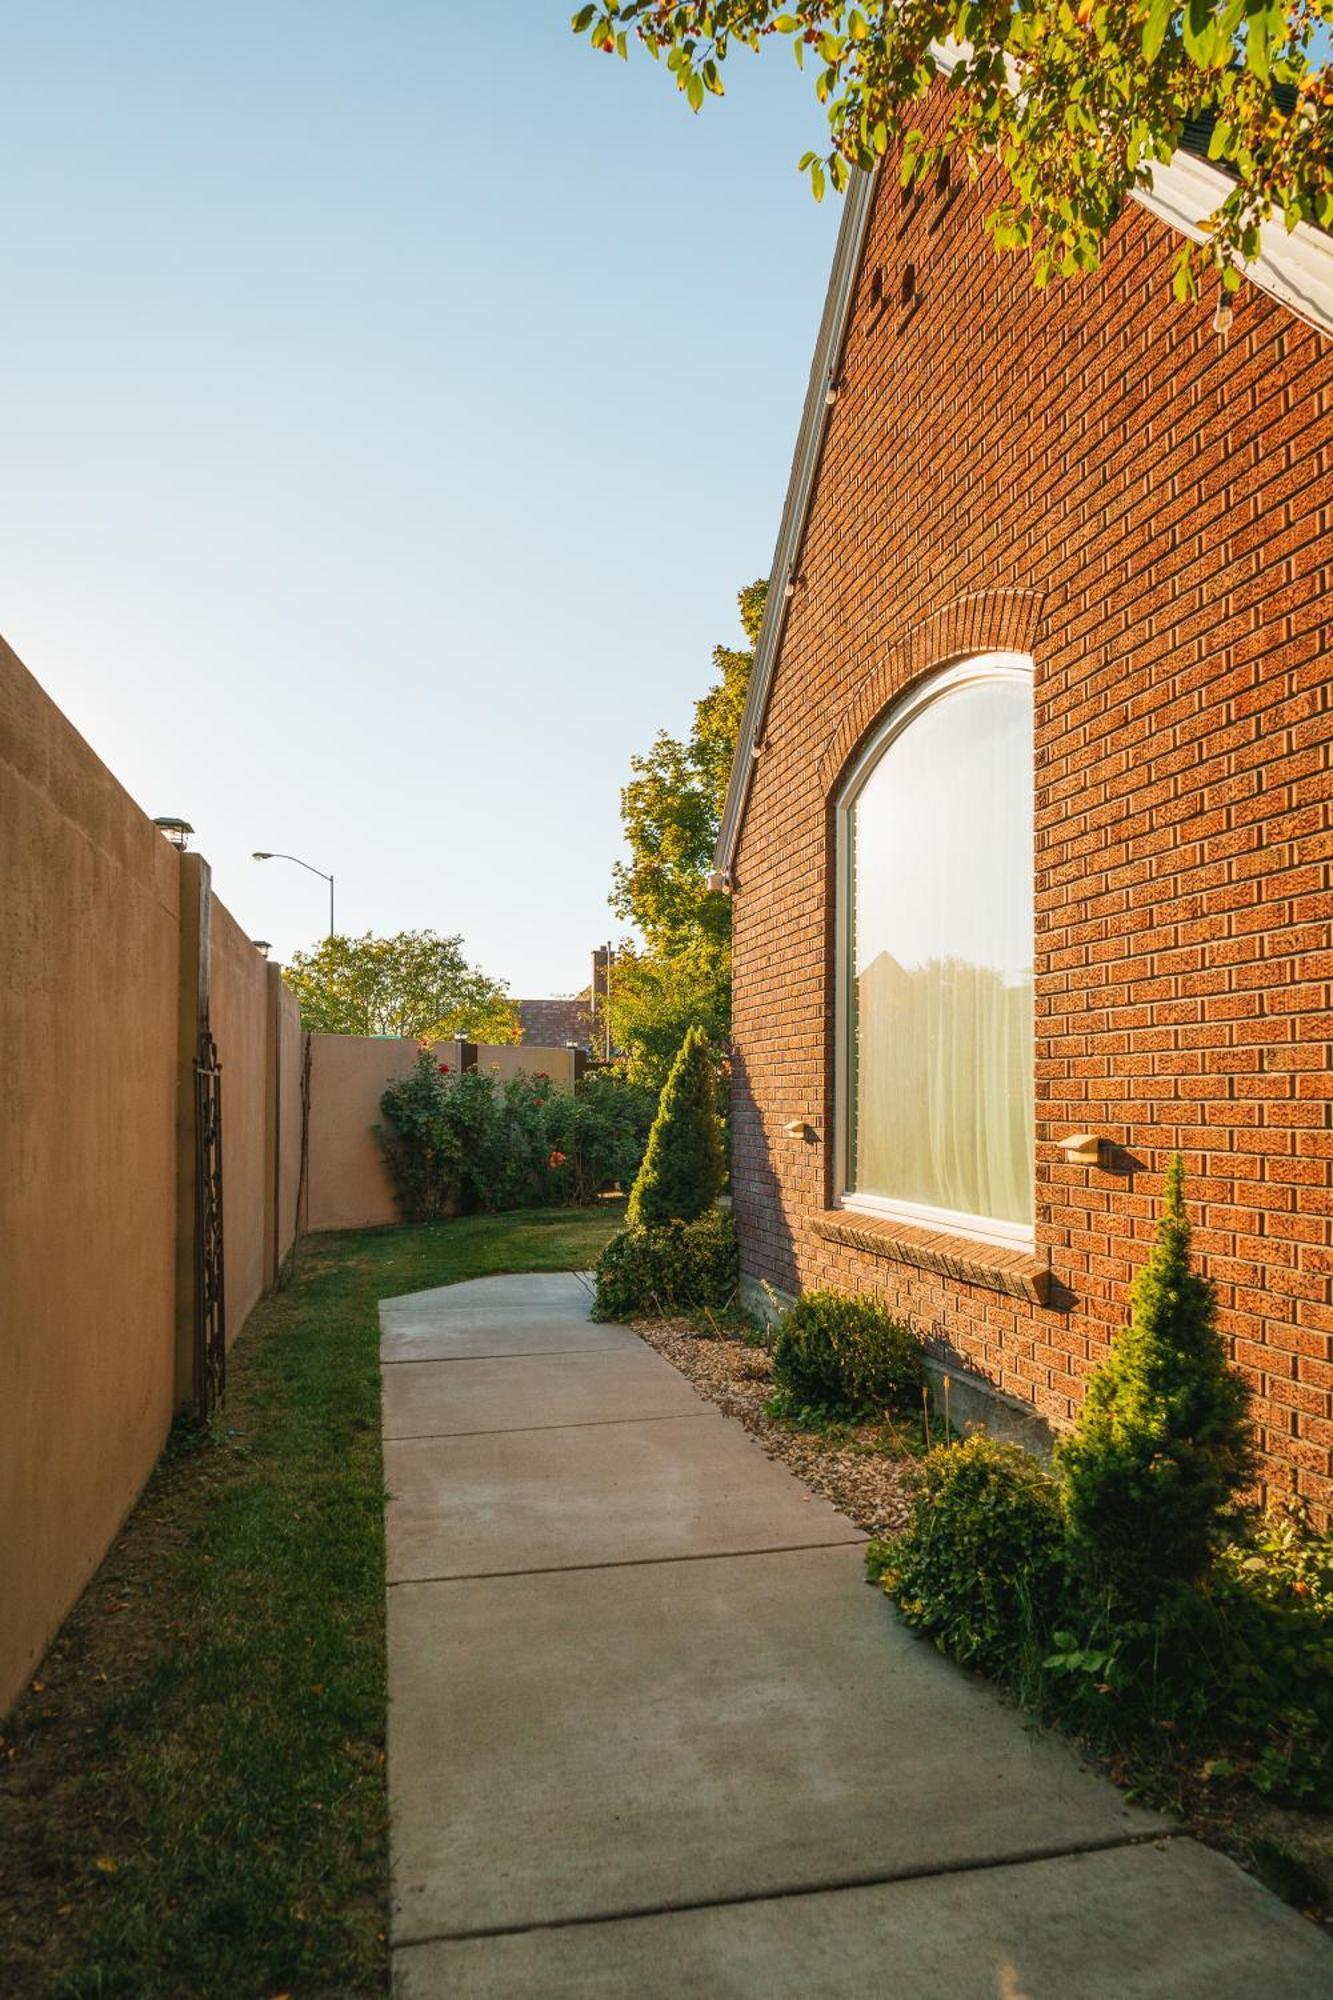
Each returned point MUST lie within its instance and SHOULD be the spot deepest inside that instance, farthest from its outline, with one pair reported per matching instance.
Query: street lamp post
(258, 856)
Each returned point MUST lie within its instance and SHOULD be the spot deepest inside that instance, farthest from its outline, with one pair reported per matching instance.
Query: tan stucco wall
(238, 1015)
(290, 1051)
(89, 915)
(100, 984)
(507, 1060)
(99, 989)
(349, 1183)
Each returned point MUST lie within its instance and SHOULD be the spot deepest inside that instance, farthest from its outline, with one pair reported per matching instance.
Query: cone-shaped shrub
(1151, 1470)
(683, 1169)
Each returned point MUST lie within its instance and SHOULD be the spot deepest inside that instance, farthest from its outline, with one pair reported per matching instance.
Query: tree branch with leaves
(1077, 100)
(670, 811)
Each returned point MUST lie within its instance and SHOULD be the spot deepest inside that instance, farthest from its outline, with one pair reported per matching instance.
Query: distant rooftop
(550, 1024)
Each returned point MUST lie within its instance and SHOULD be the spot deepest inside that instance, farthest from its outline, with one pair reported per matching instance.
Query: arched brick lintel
(984, 621)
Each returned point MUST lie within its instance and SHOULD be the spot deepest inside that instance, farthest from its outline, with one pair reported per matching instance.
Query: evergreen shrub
(1151, 1471)
(1107, 1594)
(838, 1355)
(676, 1267)
(684, 1166)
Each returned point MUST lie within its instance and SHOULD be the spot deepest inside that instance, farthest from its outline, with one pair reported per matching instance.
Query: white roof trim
(859, 202)
(1294, 267)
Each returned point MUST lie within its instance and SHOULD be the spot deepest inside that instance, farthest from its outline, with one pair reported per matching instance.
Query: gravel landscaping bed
(868, 1472)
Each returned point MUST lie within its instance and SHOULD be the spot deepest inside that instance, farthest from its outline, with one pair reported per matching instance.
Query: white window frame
(980, 1229)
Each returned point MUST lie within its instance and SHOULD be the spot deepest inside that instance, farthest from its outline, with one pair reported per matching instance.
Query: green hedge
(463, 1144)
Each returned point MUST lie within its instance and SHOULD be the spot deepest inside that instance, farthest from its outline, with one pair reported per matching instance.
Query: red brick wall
(1093, 476)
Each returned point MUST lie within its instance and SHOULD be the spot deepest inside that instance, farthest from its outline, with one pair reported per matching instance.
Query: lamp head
(177, 831)
(256, 856)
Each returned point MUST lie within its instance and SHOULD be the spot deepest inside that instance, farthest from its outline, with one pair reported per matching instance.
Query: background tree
(1076, 99)
(412, 984)
(670, 809)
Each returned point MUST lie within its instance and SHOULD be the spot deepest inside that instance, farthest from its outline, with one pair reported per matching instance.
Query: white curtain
(940, 1034)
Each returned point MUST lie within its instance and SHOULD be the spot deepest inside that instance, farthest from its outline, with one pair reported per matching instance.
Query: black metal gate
(210, 1305)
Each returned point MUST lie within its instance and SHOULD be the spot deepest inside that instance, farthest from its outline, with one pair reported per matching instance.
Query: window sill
(1015, 1272)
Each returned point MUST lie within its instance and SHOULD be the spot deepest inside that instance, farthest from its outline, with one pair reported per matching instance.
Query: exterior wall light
(796, 1128)
(262, 946)
(830, 395)
(718, 882)
(177, 831)
(1083, 1149)
(789, 588)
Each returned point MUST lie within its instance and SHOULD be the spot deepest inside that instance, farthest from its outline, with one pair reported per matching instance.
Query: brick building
(1030, 833)
(574, 1018)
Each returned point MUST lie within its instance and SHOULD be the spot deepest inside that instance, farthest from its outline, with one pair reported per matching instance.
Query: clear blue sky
(388, 422)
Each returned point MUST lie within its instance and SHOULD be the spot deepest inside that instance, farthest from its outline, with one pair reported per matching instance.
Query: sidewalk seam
(522, 1430)
(1111, 1844)
(518, 1354)
(631, 1562)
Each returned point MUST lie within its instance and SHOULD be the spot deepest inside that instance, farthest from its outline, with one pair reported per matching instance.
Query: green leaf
(694, 90)
(1155, 27)
(1259, 34)
(581, 20)
(1200, 32)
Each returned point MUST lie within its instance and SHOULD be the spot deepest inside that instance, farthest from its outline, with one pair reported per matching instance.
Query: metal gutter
(1294, 267)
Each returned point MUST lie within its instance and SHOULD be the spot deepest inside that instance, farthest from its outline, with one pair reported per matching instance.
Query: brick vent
(1014, 1272)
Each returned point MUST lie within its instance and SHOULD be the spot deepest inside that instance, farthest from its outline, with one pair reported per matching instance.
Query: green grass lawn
(192, 1795)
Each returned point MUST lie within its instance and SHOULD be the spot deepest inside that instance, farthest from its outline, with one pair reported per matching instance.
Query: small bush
(980, 1566)
(1271, 1599)
(677, 1267)
(684, 1168)
(1162, 1445)
(421, 1143)
(842, 1356)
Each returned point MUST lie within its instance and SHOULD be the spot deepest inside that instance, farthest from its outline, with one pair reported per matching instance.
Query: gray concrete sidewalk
(649, 1735)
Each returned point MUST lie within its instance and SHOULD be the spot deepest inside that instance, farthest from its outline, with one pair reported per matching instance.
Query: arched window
(935, 911)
